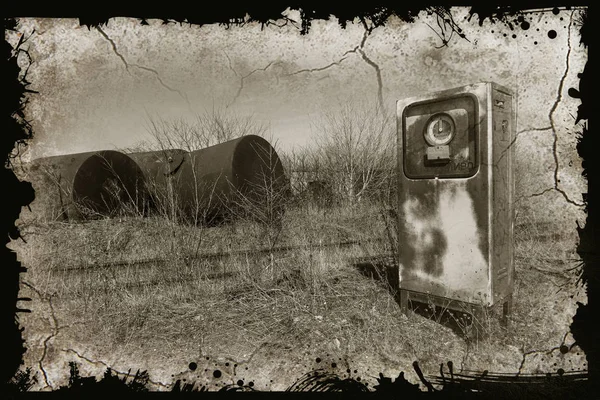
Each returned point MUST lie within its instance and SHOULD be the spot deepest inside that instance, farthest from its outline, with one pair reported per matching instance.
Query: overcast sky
(98, 86)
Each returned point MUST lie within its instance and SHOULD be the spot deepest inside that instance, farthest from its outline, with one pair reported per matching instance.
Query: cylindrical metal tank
(161, 169)
(241, 175)
(87, 185)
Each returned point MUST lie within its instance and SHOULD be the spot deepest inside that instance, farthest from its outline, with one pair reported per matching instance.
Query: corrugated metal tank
(86, 185)
(213, 180)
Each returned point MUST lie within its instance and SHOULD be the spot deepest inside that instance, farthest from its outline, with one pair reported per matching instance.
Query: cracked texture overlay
(99, 86)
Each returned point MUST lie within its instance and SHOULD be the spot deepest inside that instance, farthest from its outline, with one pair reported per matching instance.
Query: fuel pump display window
(440, 138)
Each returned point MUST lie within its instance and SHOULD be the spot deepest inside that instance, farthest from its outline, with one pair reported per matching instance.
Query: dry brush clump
(209, 127)
(355, 152)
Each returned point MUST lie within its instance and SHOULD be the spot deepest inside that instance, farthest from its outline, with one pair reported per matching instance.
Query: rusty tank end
(87, 185)
(161, 171)
(214, 182)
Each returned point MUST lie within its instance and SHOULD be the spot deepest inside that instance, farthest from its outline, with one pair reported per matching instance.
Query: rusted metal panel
(161, 169)
(215, 180)
(452, 234)
(159, 164)
(503, 128)
(87, 185)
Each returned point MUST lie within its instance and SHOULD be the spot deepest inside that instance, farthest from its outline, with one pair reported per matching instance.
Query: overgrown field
(184, 302)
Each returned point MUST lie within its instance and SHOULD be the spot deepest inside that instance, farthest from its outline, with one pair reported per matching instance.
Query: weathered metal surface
(503, 186)
(241, 175)
(161, 169)
(213, 182)
(455, 215)
(86, 185)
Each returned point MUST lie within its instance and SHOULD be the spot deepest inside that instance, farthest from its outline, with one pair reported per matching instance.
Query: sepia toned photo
(283, 206)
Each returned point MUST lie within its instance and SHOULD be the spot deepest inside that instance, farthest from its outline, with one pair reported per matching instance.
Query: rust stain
(444, 236)
(455, 222)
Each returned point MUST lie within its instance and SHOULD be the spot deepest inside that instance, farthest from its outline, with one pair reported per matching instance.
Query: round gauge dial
(439, 130)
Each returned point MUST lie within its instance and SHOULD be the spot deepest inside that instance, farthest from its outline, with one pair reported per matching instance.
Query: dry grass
(135, 284)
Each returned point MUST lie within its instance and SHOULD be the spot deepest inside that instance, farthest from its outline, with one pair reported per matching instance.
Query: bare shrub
(354, 150)
(209, 127)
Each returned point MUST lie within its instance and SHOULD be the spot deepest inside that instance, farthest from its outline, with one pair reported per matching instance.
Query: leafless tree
(354, 147)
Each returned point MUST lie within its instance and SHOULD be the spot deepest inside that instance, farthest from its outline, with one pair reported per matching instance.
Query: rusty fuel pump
(455, 195)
